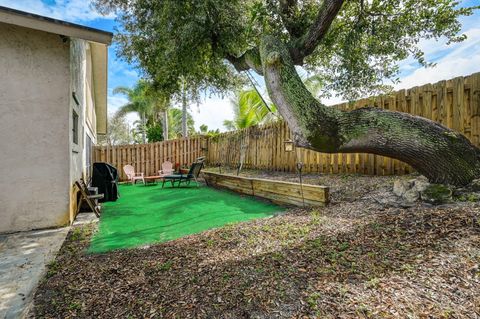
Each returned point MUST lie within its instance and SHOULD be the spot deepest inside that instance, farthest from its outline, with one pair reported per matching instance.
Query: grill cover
(105, 177)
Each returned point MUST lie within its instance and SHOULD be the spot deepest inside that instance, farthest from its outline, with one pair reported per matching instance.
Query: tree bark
(306, 44)
(439, 153)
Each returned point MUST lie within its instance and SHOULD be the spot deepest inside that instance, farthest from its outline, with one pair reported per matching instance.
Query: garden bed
(277, 191)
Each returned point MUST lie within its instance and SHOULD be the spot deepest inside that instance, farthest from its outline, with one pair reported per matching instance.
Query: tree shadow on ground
(308, 268)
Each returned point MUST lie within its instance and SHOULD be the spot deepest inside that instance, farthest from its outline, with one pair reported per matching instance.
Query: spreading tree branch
(287, 9)
(248, 60)
(305, 45)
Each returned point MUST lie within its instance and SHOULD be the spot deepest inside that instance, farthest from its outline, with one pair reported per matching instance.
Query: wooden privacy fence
(455, 103)
(263, 148)
(148, 158)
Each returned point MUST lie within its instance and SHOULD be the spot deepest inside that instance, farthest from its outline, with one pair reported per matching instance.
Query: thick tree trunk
(442, 155)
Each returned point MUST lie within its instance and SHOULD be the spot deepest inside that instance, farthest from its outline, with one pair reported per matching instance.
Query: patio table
(151, 179)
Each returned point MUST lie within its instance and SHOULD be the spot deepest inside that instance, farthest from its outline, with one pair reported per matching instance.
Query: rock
(421, 185)
(449, 206)
(406, 204)
(428, 205)
(460, 191)
(475, 185)
(401, 186)
(436, 194)
(411, 195)
(467, 197)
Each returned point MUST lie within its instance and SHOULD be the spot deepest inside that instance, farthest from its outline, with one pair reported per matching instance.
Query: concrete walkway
(23, 257)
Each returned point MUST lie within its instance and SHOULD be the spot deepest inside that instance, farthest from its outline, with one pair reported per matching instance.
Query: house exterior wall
(35, 99)
(81, 84)
(77, 87)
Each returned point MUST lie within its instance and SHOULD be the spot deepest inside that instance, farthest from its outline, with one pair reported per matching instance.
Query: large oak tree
(352, 45)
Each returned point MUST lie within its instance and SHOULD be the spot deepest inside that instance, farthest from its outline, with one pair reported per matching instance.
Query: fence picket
(454, 103)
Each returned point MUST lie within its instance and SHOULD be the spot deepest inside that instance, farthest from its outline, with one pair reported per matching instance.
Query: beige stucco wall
(80, 83)
(77, 85)
(35, 119)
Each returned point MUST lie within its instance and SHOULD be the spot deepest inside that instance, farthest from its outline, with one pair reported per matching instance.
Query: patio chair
(131, 175)
(86, 197)
(193, 173)
(167, 169)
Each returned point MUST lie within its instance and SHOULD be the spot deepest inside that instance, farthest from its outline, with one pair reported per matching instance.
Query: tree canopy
(148, 103)
(353, 46)
(354, 52)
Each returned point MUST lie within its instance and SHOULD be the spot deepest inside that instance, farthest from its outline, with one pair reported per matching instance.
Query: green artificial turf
(149, 214)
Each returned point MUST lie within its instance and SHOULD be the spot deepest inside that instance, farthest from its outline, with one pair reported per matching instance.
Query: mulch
(352, 259)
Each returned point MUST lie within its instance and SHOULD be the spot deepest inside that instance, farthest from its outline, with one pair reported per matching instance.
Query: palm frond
(122, 90)
(125, 109)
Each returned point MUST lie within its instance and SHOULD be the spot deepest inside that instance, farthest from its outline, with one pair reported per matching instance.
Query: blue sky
(454, 60)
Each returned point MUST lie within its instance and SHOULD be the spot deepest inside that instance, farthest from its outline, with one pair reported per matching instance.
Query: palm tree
(206, 132)
(250, 109)
(203, 129)
(149, 105)
(175, 121)
(138, 132)
(160, 107)
(137, 103)
(165, 124)
(230, 125)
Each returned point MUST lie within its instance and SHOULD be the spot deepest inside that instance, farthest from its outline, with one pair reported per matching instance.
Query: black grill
(105, 177)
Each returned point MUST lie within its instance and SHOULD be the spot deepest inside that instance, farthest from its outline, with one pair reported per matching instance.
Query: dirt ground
(355, 258)
(342, 187)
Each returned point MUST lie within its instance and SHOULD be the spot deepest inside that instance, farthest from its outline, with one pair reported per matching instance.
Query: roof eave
(100, 82)
(37, 22)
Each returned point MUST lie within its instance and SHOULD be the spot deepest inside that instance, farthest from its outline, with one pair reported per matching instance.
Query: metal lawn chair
(192, 174)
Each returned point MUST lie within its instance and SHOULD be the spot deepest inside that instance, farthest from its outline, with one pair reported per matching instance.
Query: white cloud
(131, 73)
(457, 59)
(115, 102)
(212, 112)
(115, 64)
(333, 100)
(68, 10)
(460, 60)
